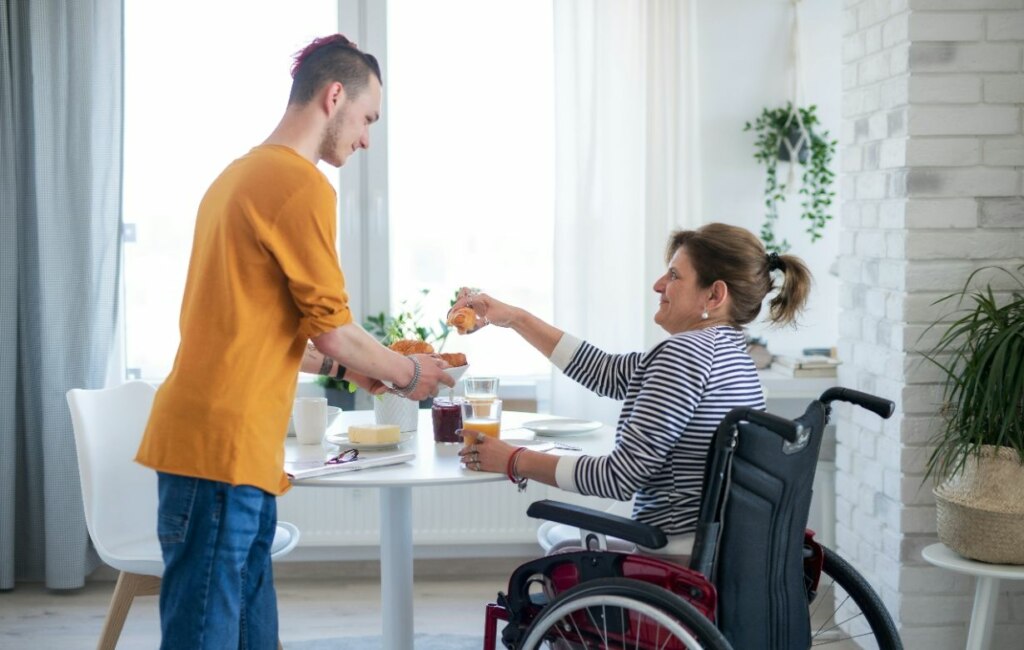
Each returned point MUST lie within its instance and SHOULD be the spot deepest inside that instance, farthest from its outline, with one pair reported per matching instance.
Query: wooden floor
(314, 602)
(34, 618)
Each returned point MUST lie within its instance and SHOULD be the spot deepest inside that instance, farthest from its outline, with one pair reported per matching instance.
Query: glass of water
(481, 388)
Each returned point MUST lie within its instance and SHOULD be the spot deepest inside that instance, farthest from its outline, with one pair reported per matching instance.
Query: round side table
(986, 591)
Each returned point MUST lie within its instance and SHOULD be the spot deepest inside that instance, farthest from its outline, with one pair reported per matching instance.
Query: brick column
(931, 178)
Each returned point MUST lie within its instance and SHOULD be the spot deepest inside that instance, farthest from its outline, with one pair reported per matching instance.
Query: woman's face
(682, 300)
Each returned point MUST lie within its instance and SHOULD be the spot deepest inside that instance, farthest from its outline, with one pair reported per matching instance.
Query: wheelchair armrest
(598, 522)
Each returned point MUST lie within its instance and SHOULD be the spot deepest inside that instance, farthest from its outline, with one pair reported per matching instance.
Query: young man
(263, 280)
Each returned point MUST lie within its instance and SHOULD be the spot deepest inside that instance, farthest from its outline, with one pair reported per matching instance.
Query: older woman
(675, 394)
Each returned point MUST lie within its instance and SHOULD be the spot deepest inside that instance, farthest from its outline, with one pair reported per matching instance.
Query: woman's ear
(719, 294)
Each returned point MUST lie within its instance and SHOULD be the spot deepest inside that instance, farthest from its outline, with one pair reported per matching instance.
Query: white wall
(934, 151)
(743, 63)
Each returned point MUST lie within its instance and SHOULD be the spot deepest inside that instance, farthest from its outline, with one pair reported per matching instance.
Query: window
(204, 82)
(470, 159)
(470, 115)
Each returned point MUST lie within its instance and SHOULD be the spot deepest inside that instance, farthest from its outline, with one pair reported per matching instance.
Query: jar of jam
(446, 412)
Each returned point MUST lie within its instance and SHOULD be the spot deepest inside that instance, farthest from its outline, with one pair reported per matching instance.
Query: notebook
(301, 469)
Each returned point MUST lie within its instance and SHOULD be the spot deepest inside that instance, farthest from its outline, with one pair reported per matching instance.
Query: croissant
(408, 346)
(462, 319)
(454, 359)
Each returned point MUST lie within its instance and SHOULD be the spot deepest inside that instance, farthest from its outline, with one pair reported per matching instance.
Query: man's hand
(432, 377)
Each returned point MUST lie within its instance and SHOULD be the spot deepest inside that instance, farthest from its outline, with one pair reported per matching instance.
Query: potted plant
(780, 132)
(978, 459)
(407, 324)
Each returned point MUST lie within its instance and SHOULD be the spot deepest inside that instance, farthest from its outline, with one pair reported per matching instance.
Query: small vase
(392, 409)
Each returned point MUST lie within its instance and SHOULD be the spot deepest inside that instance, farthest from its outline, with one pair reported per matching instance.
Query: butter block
(373, 434)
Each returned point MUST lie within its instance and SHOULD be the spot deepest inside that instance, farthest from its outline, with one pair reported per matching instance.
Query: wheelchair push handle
(882, 407)
(778, 425)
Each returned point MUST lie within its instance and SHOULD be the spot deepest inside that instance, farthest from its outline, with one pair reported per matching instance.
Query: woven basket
(980, 510)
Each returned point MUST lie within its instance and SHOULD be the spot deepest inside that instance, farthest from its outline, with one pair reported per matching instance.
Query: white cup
(310, 414)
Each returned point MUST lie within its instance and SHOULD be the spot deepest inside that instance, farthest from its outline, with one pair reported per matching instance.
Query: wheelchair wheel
(607, 613)
(847, 609)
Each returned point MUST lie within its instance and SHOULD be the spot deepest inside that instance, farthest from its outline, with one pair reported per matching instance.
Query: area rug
(420, 642)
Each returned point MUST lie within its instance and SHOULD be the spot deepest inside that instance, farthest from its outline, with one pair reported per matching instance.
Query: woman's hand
(488, 310)
(482, 453)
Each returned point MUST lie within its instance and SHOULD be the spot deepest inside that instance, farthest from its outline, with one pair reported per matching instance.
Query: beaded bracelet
(407, 390)
(510, 469)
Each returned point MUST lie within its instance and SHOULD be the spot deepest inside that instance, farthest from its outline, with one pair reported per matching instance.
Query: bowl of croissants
(457, 364)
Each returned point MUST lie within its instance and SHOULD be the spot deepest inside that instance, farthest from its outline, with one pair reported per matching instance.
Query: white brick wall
(933, 152)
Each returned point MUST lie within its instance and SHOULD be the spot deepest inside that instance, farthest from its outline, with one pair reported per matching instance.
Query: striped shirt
(674, 397)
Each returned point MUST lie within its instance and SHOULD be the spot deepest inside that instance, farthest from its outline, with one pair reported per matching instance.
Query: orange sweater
(263, 278)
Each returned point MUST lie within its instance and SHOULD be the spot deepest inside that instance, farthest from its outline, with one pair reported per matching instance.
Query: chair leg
(129, 585)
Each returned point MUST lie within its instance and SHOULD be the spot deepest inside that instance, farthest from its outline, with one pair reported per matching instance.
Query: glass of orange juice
(483, 416)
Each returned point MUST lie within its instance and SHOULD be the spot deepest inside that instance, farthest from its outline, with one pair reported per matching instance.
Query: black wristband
(340, 373)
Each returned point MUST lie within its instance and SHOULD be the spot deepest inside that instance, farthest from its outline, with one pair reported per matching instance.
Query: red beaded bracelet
(510, 468)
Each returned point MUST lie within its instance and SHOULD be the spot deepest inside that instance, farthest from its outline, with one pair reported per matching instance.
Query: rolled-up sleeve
(303, 242)
(565, 472)
(564, 349)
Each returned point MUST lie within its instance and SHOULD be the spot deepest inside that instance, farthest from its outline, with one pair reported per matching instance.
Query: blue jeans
(217, 590)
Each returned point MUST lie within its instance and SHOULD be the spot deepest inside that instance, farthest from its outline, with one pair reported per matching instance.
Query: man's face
(349, 128)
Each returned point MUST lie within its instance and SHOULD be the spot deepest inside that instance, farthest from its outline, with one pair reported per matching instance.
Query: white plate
(561, 427)
(341, 439)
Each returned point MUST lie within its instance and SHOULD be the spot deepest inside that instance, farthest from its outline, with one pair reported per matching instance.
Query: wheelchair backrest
(762, 509)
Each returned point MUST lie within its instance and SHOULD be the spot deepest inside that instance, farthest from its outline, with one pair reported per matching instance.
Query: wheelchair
(756, 578)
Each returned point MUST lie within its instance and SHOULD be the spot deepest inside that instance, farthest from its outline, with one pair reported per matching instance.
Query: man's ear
(332, 98)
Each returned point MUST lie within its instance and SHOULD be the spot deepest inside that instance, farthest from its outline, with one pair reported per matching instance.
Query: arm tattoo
(325, 365)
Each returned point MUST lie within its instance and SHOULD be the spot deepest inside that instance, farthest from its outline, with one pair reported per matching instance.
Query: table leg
(983, 616)
(396, 567)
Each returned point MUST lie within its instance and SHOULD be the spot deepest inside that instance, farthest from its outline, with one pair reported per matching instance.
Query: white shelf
(779, 386)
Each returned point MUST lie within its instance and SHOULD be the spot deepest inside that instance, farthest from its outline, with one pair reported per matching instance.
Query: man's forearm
(351, 346)
(316, 362)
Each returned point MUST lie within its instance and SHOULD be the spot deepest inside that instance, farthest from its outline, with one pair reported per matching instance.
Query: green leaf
(770, 128)
(980, 352)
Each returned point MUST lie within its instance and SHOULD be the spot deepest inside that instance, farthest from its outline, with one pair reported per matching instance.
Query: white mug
(310, 414)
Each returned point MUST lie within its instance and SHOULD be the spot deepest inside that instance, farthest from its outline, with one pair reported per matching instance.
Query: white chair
(120, 496)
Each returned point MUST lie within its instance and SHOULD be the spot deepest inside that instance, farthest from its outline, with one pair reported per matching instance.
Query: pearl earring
(704, 314)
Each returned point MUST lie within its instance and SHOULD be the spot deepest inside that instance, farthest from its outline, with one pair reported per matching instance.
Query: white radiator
(481, 513)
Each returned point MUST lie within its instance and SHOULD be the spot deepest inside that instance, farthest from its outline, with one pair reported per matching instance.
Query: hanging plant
(780, 137)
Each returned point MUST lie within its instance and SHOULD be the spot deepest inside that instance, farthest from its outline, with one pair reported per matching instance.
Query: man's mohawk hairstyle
(318, 43)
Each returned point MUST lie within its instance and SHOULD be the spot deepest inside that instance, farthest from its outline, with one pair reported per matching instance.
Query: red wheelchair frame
(691, 585)
(535, 584)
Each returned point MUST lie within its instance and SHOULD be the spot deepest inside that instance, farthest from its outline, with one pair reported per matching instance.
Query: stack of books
(805, 366)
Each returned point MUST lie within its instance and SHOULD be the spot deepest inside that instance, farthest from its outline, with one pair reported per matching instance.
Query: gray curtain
(60, 201)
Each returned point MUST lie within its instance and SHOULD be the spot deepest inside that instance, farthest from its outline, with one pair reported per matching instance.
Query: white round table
(986, 591)
(435, 464)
